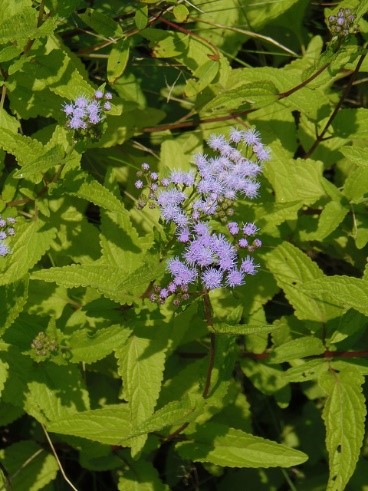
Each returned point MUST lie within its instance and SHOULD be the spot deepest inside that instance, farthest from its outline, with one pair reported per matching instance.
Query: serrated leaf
(330, 218)
(344, 415)
(22, 25)
(297, 348)
(24, 148)
(227, 447)
(343, 292)
(89, 348)
(29, 244)
(293, 269)
(110, 281)
(294, 180)
(52, 157)
(140, 475)
(109, 425)
(117, 60)
(141, 364)
(356, 185)
(30, 467)
(13, 298)
(356, 155)
(308, 370)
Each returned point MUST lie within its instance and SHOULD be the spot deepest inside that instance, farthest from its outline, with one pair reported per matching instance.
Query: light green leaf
(4, 370)
(89, 348)
(31, 468)
(141, 364)
(141, 17)
(109, 425)
(24, 148)
(228, 447)
(205, 74)
(344, 414)
(307, 370)
(356, 155)
(52, 157)
(293, 269)
(110, 281)
(294, 180)
(117, 60)
(243, 329)
(180, 13)
(140, 475)
(29, 244)
(356, 185)
(342, 292)
(330, 218)
(297, 348)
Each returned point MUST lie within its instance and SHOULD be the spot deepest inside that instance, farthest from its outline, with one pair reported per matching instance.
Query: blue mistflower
(192, 202)
(6, 231)
(84, 113)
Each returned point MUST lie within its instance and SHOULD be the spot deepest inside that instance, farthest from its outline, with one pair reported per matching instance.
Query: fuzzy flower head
(191, 203)
(6, 230)
(341, 24)
(85, 114)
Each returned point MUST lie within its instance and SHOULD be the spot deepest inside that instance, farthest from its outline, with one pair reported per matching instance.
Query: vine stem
(337, 108)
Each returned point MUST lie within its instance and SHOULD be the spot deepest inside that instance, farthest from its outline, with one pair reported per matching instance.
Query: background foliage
(102, 389)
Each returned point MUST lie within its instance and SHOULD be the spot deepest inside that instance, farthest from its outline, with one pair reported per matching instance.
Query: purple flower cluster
(84, 113)
(6, 230)
(341, 24)
(196, 202)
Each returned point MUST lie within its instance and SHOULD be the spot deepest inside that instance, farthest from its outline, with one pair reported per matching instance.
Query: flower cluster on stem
(84, 113)
(6, 230)
(341, 24)
(200, 205)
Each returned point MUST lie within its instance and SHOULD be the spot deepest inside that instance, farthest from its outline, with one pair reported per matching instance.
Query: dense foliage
(183, 243)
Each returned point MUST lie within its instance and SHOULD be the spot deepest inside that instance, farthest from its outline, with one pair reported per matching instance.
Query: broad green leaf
(271, 215)
(228, 447)
(13, 298)
(180, 12)
(351, 124)
(55, 393)
(29, 466)
(342, 292)
(344, 415)
(89, 348)
(24, 148)
(267, 379)
(356, 155)
(117, 60)
(307, 370)
(141, 364)
(294, 180)
(29, 244)
(109, 425)
(355, 187)
(20, 26)
(52, 157)
(330, 218)
(297, 348)
(292, 270)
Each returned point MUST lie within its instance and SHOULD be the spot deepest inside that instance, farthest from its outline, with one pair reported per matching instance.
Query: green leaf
(29, 465)
(250, 95)
(355, 187)
(117, 60)
(294, 180)
(141, 364)
(140, 475)
(84, 186)
(340, 292)
(13, 298)
(101, 23)
(141, 17)
(205, 74)
(110, 281)
(4, 371)
(52, 157)
(243, 329)
(330, 218)
(344, 414)
(292, 270)
(29, 244)
(180, 13)
(227, 447)
(356, 155)
(297, 348)
(109, 425)
(89, 348)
